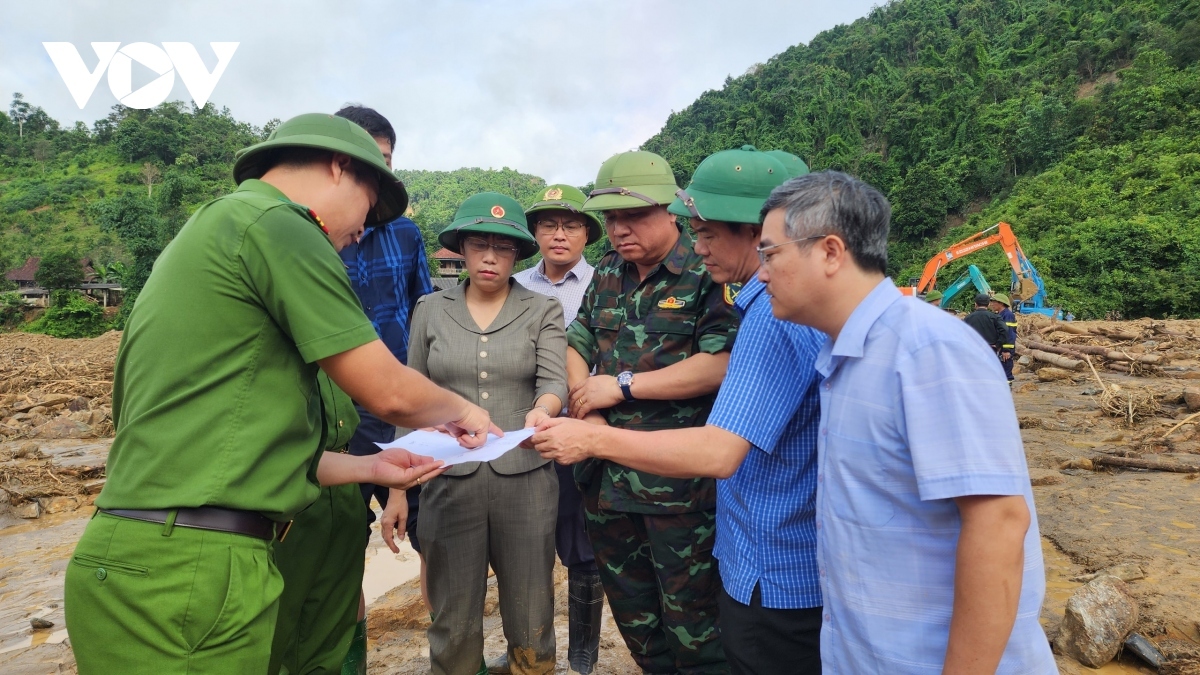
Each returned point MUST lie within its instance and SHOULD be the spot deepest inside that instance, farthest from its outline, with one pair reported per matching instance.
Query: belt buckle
(286, 528)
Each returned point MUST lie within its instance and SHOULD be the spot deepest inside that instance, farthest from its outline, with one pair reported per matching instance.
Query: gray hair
(831, 202)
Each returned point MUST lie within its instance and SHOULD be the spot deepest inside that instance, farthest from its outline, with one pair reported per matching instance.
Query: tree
(19, 112)
(59, 272)
(150, 173)
(42, 151)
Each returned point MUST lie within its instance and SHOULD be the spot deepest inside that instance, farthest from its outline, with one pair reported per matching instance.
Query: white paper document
(446, 448)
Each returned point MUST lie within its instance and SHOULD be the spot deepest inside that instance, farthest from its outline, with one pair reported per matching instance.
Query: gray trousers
(507, 521)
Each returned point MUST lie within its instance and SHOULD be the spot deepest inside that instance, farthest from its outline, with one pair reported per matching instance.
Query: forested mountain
(1076, 121)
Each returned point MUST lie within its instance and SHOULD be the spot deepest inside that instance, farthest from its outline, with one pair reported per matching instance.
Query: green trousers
(321, 560)
(143, 598)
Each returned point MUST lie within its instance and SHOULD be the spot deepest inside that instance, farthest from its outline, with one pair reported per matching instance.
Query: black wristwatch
(624, 381)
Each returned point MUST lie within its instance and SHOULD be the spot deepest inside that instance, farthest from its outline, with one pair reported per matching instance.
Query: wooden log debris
(1150, 464)
(1111, 355)
(1052, 359)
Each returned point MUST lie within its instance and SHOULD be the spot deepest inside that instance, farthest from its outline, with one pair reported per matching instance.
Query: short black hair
(368, 118)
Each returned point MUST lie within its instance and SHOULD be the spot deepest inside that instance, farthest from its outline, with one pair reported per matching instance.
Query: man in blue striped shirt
(389, 272)
(760, 437)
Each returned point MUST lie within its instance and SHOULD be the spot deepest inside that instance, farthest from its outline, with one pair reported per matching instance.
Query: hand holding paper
(445, 448)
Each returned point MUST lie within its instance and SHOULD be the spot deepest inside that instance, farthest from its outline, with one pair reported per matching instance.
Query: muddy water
(1059, 587)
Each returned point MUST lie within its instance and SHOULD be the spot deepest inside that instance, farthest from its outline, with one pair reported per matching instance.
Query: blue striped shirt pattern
(915, 411)
(766, 527)
(569, 290)
(389, 272)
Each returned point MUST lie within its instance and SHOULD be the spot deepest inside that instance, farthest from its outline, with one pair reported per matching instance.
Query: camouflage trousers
(661, 580)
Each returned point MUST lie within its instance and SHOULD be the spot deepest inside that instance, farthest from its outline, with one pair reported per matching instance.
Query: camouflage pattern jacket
(625, 323)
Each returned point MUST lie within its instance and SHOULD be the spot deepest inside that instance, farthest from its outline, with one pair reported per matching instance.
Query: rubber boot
(585, 602)
(356, 658)
(499, 665)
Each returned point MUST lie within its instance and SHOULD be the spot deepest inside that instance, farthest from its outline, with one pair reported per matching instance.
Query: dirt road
(1089, 519)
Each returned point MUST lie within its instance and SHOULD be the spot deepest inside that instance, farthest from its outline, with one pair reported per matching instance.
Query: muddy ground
(1090, 519)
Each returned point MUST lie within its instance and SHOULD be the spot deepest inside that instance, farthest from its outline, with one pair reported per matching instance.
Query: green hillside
(1075, 121)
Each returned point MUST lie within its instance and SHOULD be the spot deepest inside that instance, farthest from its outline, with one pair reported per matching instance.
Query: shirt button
(827, 385)
(818, 525)
(339, 424)
(483, 355)
(828, 618)
(483, 375)
(820, 478)
(483, 338)
(824, 431)
(484, 395)
(101, 573)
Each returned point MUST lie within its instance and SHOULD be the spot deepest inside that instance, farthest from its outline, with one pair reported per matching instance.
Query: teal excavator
(971, 277)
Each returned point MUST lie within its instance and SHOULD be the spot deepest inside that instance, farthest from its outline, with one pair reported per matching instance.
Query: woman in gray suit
(503, 347)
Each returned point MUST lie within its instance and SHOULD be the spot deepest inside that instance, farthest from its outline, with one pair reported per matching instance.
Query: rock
(1191, 398)
(1050, 374)
(1124, 572)
(79, 403)
(50, 400)
(1190, 375)
(58, 504)
(28, 451)
(84, 416)
(1100, 615)
(38, 623)
(1144, 649)
(93, 487)
(1025, 361)
(1041, 477)
(39, 410)
(1078, 463)
(1091, 391)
(28, 510)
(64, 427)
(1029, 422)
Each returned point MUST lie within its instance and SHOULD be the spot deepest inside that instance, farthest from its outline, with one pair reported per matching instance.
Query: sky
(547, 87)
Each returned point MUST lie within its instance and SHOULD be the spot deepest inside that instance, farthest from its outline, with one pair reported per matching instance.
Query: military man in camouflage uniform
(658, 331)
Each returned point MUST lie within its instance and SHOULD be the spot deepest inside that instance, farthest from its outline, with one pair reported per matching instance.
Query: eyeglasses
(762, 250)
(481, 245)
(570, 227)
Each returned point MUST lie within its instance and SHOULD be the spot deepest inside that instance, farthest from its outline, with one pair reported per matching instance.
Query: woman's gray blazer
(503, 369)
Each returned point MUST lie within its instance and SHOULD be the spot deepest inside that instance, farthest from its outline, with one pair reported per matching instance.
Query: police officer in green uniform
(321, 563)
(218, 412)
(658, 330)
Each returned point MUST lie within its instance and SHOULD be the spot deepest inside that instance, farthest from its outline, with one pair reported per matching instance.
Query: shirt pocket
(669, 336)
(856, 480)
(608, 315)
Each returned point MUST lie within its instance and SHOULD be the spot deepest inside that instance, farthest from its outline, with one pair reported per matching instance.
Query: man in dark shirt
(1000, 305)
(388, 272)
(987, 323)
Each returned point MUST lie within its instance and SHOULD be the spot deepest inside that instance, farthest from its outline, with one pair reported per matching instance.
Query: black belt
(214, 518)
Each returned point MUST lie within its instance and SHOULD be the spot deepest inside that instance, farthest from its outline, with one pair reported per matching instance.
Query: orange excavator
(1026, 282)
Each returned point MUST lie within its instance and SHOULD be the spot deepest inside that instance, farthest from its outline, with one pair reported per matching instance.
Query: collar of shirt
(750, 291)
(853, 336)
(675, 260)
(539, 271)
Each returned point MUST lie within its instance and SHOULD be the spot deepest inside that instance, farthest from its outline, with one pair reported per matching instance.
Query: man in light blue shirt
(928, 546)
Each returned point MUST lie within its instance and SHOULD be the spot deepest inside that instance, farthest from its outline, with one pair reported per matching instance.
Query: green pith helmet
(327, 132)
(933, 296)
(730, 186)
(556, 197)
(1002, 299)
(794, 165)
(490, 213)
(632, 180)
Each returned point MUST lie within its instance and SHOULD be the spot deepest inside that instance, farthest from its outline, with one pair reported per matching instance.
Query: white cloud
(549, 87)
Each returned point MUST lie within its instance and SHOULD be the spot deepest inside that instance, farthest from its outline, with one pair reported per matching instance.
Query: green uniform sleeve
(302, 284)
(718, 323)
